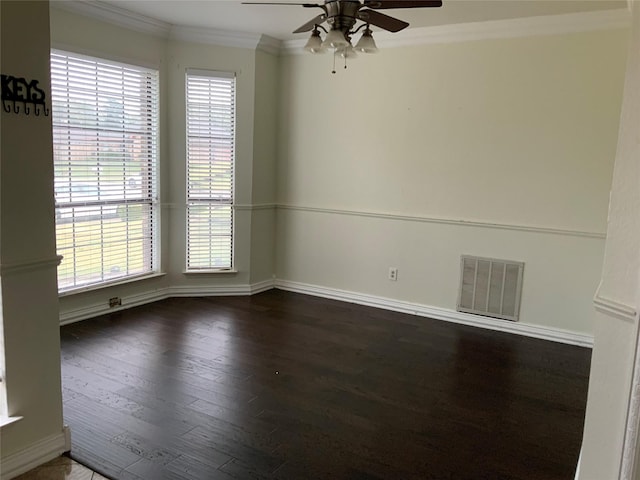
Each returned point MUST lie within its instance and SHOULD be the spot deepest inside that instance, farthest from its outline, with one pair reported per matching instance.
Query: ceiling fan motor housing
(342, 14)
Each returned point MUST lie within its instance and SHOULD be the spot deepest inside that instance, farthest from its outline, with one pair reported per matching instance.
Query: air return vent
(490, 287)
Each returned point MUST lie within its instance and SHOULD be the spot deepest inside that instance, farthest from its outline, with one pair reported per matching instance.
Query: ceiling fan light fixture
(315, 44)
(343, 16)
(347, 52)
(335, 39)
(367, 44)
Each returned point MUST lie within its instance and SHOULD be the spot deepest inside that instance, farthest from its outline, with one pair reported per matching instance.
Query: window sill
(123, 281)
(4, 421)
(209, 271)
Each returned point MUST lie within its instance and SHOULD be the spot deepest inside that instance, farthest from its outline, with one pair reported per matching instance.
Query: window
(210, 158)
(105, 142)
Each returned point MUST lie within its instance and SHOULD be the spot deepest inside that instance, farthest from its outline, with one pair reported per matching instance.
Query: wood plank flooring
(287, 386)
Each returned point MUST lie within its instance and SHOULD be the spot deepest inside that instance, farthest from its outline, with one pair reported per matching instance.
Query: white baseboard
(102, 308)
(217, 291)
(35, 455)
(262, 286)
(535, 331)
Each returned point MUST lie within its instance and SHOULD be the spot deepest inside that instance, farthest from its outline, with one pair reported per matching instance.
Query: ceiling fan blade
(310, 25)
(305, 5)
(383, 4)
(381, 20)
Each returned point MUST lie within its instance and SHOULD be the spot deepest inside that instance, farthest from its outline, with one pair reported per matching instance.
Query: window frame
(221, 75)
(149, 197)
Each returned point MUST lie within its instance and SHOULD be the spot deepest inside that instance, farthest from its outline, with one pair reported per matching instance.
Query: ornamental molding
(462, 32)
(496, 29)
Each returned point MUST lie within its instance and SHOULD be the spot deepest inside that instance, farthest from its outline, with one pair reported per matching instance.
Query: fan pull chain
(335, 51)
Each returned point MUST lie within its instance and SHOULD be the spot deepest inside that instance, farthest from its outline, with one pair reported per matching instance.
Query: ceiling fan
(342, 16)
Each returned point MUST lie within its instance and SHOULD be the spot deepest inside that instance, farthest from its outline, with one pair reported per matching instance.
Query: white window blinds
(105, 136)
(210, 160)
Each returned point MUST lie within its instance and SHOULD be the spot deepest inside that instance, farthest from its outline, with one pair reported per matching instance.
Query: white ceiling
(279, 21)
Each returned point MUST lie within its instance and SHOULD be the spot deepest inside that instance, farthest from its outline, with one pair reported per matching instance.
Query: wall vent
(490, 287)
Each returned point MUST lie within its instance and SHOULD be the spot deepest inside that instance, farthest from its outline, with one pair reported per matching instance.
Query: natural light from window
(210, 160)
(105, 136)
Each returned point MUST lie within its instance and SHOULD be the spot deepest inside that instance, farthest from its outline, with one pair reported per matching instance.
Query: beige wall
(264, 167)
(616, 336)
(519, 131)
(27, 253)
(516, 132)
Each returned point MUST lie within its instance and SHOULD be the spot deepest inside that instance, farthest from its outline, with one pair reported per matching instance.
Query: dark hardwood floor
(287, 386)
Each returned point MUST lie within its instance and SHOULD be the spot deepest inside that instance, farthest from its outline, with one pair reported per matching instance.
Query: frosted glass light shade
(366, 44)
(314, 44)
(347, 52)
(335, 39)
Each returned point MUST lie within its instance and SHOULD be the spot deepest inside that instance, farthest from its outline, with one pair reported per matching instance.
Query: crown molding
(496, 29)
(114, 15)
(210, 36)
(124, 18)
(462, 32)
(270, 45)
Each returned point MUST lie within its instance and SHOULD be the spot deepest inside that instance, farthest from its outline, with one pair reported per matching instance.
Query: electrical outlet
(115, 302)
(393, 274)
